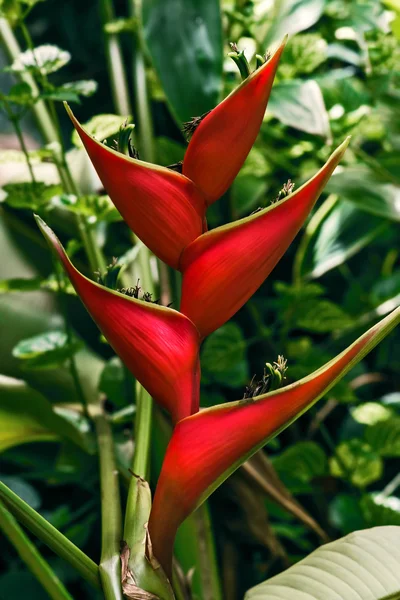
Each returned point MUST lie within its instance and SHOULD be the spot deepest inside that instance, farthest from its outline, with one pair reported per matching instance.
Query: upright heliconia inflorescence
(221, 270)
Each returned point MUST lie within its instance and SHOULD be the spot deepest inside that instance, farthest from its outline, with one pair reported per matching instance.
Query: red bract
(164, 208)
(207, 447)
(224, 267)
(159, 345)
(224, 138)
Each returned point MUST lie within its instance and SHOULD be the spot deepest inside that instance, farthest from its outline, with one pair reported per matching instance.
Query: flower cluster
(221, 269)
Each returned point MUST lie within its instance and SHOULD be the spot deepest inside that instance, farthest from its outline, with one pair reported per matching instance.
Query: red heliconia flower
(224, 267)
(208, 446)
(158, 345)
(164, 208)
(223, 139)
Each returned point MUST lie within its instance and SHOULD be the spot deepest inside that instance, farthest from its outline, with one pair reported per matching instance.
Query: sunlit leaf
(300, 104)
(46, 351)
(292, 17)
(356, 460)
(30, 195)
(360, 186)
(45, 59)
(363, 564)
(71, 92)
(371, 413)
(94, 208)
(344, 231)
(102, 127)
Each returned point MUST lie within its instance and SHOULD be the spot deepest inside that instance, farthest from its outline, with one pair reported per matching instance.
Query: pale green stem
(111, 519)
(115, 62)
(48, 534)
(141, 456)
(310, 230)
(40, 111)
(32, 557)
(143, 111)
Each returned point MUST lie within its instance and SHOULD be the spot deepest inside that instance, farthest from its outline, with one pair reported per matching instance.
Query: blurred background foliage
(336, 469)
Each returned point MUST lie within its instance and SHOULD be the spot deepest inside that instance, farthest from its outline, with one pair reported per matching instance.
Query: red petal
(224, 138)
(163, 208)
(224, 267)
(159, 345)
(208, 446)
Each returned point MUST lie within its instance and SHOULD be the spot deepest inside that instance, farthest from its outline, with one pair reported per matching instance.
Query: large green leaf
(293, 16)
(363, 565)
(300, 104)
(27, 416)
(360, 185)
(185, 42)
(223, 358)
(342, 233)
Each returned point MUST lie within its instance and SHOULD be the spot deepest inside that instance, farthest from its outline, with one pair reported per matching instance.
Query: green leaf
(95, 208)
(46, 351)
(23, 489)
(378, 509)
(46, 59)
(30, 195)
(356, 461)
(188, 54)
(364, 564)
(323, 316)
(223, 358)
(384, 437)
(371, 413)
(360, 186)
(293, 16)
(112, 381)
(304, 461)
(26, 416)
(344, 513)
(21, 94)
(120, 25)
(70, 92)
(342, 233)
(102, 127)
(300, 104)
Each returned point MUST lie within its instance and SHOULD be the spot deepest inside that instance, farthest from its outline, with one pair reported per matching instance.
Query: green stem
(48, 534)
(309, 232)
(141, 456)
(15, 121)
(32, 557)
(40, 111)
(143, 111)
(111, 528)
(115, 62)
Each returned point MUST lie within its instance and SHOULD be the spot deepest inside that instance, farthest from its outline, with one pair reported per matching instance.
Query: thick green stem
(143, 111)
(48, 534)
(115, 62)
(141, 456)
(40, 111)
(32, 557)
(111, 519)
